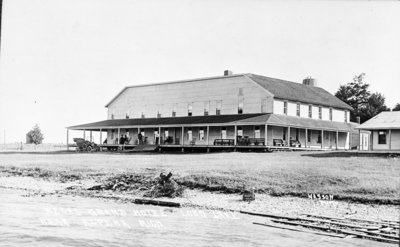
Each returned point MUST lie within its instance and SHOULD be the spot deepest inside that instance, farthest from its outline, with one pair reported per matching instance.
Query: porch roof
(297, 122)
(217, 120)
(167, 121)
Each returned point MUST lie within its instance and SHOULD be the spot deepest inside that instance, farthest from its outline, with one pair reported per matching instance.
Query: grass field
(364, 179)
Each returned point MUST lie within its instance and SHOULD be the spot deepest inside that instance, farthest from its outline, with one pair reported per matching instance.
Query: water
(78, 221)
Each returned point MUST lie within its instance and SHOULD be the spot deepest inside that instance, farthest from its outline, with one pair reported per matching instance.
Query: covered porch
(236, 132)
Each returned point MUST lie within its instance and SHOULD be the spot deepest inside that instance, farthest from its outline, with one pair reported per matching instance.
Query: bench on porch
(227, 142)
(246, 141)
(294, 143)
(279, 142)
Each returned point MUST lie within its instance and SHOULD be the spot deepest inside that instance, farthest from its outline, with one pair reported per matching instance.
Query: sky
(62, 61)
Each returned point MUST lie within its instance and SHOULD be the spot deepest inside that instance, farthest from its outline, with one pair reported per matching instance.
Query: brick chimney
(228, 73)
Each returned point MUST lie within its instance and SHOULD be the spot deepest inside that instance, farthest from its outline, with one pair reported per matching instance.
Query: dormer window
(320, 112)
(298, 109)
(285, 107)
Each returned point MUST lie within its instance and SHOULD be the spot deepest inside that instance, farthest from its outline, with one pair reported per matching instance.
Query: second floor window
(158, 114)
(142, 115)
(174, 110)
(206, 108)
(330, 114)
(112, 116)
(127, 116)
(263, 105)
(345, 116)
(310, 111)
(320, 112)
(190, 109)
(240, 105)
(285, 107)
(218, 107)
(298, 110)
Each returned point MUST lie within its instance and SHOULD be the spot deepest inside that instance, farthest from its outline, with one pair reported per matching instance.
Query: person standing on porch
(140, 138)
(156, 137)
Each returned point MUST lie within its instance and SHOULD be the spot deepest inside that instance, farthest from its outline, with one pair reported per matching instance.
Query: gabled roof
(293, 91)
(280, 89)
(384, 120)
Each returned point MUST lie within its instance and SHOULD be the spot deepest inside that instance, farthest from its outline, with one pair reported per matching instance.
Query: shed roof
(294, 91)
(384, 120)
(167, 121)
(242, 119)
(298, 122)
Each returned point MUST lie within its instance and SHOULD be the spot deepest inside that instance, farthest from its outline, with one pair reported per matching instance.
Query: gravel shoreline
(264, 203)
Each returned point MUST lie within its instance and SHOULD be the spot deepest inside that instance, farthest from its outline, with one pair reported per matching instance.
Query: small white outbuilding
(385, 131)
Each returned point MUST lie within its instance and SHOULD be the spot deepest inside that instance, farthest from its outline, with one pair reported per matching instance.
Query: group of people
(123, 140)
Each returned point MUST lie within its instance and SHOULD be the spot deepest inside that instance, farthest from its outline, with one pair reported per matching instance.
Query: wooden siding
(163, 97)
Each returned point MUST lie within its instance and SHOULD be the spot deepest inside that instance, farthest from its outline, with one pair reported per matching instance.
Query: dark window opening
(382, 137)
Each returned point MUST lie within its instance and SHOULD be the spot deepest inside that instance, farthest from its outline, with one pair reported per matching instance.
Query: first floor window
(309, 136)
(382, 137)
(257, 133)
(297, 134)
(319, 140)
(284, 134)
(223, 133)
(190, 134)
(240, 132)
(201, 134)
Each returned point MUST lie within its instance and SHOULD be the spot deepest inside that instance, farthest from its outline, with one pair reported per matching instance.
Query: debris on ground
(162, 186)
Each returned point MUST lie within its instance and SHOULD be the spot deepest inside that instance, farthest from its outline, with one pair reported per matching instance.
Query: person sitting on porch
(122, 140)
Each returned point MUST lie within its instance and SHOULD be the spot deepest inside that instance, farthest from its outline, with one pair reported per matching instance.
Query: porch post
(101, 139)
(322, 139)
(159, 135)
(235, 141)
(390, 139)
(118, 135)
(208, 133)
(266, 135)
(306, 142)
(182, 135)
(67, 139)
(337, 139)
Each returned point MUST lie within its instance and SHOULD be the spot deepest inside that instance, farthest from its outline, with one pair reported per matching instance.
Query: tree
(355, 94)
(36, 134)
(376, 104)
(397, 107)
